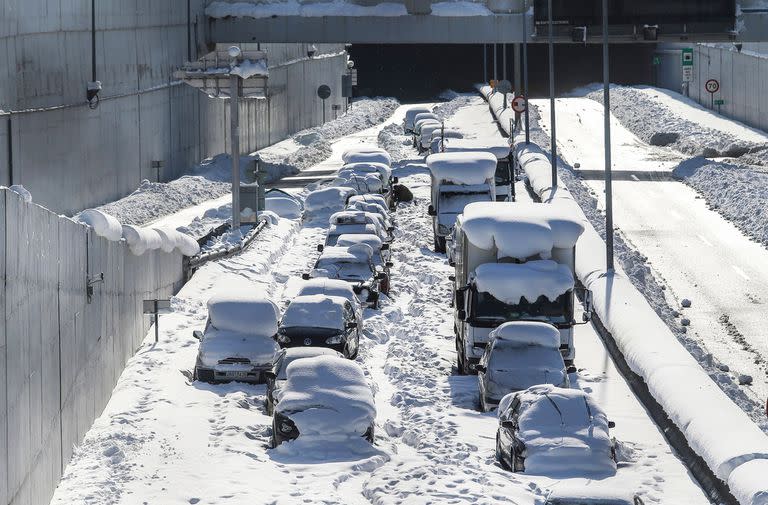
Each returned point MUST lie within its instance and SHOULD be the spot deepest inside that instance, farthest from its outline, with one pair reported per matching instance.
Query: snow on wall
(295, 8)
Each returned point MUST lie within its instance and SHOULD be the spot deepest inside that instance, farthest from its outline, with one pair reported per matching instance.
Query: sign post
(712, 86)
(519, 105)
(153, 308)
(323, 92)
(687, 66)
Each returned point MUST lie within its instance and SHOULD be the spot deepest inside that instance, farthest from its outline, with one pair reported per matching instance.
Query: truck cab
(514, 262)
(458, 179)
(505, 168)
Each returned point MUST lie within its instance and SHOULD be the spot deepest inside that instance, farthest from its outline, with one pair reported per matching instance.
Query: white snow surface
(569, 440)
(21, 191)
(283, 207)
(411, 113)
(103, 224)
(295, 8)
(364, 153)
(463, 167)
(455, 145)
(140, 239)
(315, 311)
(528, 333)
(328, 287)
(509, 282)
(328, 398)
(460, 8)
(332, 198)
(247, 69)
(243, 312)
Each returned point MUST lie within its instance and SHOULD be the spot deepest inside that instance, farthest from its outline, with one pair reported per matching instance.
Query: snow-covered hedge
(731, 444)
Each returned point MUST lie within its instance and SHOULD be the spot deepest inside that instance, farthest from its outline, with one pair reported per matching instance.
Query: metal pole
(552, 118)
(485, 63)
(157, 324)
(495, 62)
(504, 61)
(525, 77)
(234, 114)
(607, 141)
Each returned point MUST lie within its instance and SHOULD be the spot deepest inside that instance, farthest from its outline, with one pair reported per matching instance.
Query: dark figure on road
(402, 193)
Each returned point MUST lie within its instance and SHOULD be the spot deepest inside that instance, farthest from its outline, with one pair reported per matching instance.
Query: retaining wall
(61, 354)
(72, 157)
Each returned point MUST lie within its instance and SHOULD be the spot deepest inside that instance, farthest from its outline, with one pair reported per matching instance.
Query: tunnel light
(651, 32)
(579, 34)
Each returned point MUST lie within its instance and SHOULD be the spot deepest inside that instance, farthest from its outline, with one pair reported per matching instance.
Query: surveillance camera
(234, 52)
(350, 64)
(311, 51)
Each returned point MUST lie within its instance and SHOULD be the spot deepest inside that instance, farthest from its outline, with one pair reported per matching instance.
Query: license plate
(237, 375)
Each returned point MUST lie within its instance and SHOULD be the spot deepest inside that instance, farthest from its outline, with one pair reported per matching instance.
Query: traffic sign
(687, 74)
(712, 86)
(504, 86)
(720, 102)
(324, 91)
(519, 104)
(688, 57)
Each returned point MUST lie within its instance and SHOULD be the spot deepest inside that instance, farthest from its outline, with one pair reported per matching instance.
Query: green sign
(687, 57)
(719, 102)
(657, 60)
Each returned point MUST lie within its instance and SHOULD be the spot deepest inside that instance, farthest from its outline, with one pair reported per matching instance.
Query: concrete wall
(743, 78)
(60, 356)
(71, 157)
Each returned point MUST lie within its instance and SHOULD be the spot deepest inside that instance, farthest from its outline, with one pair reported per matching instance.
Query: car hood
(218, 345)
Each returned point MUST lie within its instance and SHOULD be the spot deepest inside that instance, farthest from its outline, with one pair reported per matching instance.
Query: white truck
(458, 179)
(514, 262)
(505, 170)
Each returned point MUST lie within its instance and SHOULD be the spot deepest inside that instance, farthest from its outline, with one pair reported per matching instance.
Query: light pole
(525, 76)
(234, 127)
(607, 141)
(552, 118)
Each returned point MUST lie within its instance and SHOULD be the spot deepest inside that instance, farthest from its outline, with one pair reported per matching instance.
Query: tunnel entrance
(421, 72)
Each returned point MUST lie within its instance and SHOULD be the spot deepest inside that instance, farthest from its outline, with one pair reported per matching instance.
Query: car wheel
(483, 404)
(272, 438)
(460, 361)
(194, 374)
(500, 453)
(353, 355)
(517, 462)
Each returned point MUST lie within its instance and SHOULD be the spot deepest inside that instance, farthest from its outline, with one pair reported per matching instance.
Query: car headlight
(283, 338)
(336, 339)
(364, 294)
(443, 230)
(285, 427)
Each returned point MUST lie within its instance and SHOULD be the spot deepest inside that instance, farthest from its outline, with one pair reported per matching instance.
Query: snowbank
(103, 224)
(241, 312)
(327, 397)
(509, 282)
(333, 198)
(528, 333)
(726, 441)
(462, 168)
(315, 311)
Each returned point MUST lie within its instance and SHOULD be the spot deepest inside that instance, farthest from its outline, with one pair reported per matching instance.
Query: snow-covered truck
(513, 262)
(505, 173)
(458, 179)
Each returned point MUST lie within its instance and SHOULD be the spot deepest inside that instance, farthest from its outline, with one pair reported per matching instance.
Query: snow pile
(288, 208)
(528, 333)
(462, 168)
(738, 193)
(296, 8)
(314, 311)
(102, 223)
(141, 240)
(328, 398)
(22, 192)
(333, 198)
(509, 282)
(565, 432)
(243, 312)
(248, 68)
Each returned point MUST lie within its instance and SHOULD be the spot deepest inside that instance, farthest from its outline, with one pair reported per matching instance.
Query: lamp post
(234, 127)
(552, 118)
(607, 143)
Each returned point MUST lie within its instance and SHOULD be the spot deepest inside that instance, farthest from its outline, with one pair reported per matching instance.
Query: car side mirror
(391, 229)
(452, 278)
(198, 335)
(431, 210)
(351, 326)
(571, 369)
(381, 276)
(305, 277)
(478, 368)
(611, 424)
(395, 180)
(270, 375)
(320, 247)
(508, 425)
(385, 247)
(462, 315)
(389, 264)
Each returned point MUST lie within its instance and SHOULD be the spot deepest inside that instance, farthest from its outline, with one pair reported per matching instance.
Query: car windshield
(559, 311)
(454, 203)
(308, 331)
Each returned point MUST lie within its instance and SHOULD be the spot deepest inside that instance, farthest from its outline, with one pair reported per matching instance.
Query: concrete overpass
(423, 22)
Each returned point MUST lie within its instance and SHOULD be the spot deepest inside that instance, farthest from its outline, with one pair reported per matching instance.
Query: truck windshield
(503, 173)
(489, 309)
(454, 202)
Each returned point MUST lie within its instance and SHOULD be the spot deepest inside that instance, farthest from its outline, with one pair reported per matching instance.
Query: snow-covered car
(438, 137)
(410, 115)
(371, 207)
(371, 198)
(519, 355)
(238, 343)
(337, 230)
(361, 183)
(557, 432)
(381, 254)
(325, 398)
(354, 265)
(276, 377)
(366, 154)
(418, 128)
(348, 216)
(424, 138)
(321, 321)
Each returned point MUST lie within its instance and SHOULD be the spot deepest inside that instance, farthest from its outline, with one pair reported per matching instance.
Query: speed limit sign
(519, 104)
(712, 86)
